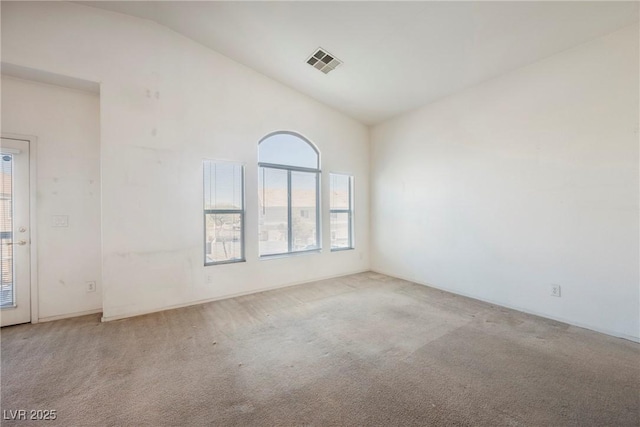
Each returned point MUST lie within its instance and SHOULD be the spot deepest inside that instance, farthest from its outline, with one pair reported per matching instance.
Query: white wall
(66, 123)
(527, 180)
(166, 103)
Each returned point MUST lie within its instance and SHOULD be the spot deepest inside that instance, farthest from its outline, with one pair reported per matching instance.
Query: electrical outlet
(209, 278)
(91, 286)
(555, 290)
(60, 221)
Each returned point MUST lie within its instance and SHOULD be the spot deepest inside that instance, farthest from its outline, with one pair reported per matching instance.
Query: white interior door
(15, 247)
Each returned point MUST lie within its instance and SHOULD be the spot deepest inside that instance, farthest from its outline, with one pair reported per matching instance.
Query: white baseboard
(523, 310)
(227, 296)
(68, 315)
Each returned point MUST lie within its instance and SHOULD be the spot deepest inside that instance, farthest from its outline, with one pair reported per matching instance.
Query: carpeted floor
(365, 349)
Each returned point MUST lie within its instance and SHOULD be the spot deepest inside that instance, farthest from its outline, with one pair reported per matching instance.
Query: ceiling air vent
(323, 61)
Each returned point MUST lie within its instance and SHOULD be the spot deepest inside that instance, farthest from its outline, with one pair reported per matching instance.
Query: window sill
(342, 249)
(291, 254)
(231, 261)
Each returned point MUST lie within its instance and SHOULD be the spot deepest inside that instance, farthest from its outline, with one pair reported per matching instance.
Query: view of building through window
(289, 210)
(341, 211)
(6, 230)
(288, 192)
(223, 212)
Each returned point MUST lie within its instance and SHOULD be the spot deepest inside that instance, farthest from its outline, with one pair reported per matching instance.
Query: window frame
(318, 175)
(241, 212)
(349, 211)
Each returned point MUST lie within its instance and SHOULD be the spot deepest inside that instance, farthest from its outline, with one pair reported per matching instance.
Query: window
(289, 174)
(341, 211)
(223, 212)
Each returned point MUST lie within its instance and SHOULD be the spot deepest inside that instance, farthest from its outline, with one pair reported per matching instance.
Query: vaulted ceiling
(397, 55)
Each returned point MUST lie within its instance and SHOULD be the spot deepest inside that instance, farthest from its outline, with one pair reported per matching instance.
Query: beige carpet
(365, 350)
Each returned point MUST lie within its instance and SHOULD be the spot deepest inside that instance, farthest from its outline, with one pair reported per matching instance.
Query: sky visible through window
(288, 194)
(289, 150)
(222, 186)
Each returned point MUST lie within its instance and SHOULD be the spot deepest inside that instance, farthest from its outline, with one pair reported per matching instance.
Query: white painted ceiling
(397, 55)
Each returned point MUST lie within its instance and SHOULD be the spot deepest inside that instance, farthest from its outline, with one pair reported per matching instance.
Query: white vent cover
(323, 61)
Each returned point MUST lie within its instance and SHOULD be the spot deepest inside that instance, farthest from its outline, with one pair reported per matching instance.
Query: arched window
(289, 173)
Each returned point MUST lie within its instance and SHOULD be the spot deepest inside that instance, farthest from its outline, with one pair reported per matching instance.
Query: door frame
(33, 255)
